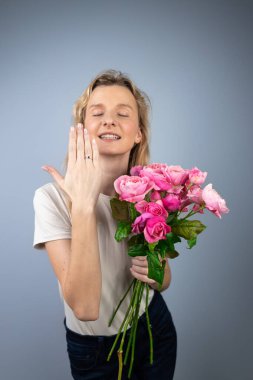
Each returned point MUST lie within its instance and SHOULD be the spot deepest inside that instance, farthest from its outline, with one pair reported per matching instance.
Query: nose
(108, 120)
(107, 123)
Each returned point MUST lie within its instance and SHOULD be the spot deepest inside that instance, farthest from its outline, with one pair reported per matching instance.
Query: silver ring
(87, 156)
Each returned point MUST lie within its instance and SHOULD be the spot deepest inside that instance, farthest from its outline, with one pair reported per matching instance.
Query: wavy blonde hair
(140, 153)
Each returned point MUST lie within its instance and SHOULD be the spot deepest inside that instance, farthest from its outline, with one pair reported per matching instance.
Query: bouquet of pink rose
(148, 209)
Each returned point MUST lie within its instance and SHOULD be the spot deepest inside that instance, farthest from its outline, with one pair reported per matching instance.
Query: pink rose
(171, 202)
(141, 206)
(175, 174)
(213, 201)
(196, 176)
(140, 223)
(132, 188)
(154, 208)
(185, 201)
(195, 194)
(156, 167)
(155, 196)
(155, 173)
(156, 229)
(135, 170)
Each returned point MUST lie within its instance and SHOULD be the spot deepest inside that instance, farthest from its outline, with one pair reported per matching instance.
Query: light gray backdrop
(194, 59)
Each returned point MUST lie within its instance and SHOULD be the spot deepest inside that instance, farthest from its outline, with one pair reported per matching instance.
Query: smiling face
(112, 119)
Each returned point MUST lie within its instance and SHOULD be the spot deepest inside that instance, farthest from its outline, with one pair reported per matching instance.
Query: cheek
(131, 129)
(90, 124)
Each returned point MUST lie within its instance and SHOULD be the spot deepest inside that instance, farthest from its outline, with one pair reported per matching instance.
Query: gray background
(194, 59)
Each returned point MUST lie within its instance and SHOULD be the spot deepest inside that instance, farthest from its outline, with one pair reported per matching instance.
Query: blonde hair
(140, 153)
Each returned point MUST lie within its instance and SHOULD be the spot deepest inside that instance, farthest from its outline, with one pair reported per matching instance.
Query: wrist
(157, 287)
(82, 209)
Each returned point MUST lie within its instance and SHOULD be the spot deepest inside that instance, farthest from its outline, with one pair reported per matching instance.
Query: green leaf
(188, 229)
(162, 247)
(166, 247)
(132, 211)
(136, 239)
(171, 237)
(155, 267)
(137, 250)
(170, 244)
(171, 217)
(123, 230)
(192, 242)
(120, 209)
(172, 254)
(176, 239)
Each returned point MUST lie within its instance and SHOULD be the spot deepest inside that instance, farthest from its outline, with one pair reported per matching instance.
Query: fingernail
(72, 128)
(85, 131)
(93, 141)
(79, 125)
(44, 168)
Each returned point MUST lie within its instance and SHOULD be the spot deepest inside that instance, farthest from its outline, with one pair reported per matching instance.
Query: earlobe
(138, 137)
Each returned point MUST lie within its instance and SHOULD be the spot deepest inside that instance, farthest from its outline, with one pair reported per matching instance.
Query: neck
(112, 168)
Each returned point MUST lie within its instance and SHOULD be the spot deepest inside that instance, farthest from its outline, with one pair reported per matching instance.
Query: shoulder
(52, 195)
(50, 188)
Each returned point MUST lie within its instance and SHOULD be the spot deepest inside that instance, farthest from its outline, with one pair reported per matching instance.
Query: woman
(73, 222)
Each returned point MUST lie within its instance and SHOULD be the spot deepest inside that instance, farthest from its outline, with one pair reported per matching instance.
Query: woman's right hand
(82, 181)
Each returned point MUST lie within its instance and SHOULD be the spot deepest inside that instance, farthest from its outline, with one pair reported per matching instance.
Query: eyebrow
(118, 105)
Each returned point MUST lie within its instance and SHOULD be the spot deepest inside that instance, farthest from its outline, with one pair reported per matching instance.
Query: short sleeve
(51, 220)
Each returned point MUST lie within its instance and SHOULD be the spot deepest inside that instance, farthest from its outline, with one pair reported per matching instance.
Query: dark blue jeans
(88, 353)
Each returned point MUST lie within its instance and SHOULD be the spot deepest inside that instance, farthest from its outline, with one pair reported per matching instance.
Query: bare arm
(76, 262)
(82, 285)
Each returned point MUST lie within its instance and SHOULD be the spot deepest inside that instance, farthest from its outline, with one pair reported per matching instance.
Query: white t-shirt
(53, 222)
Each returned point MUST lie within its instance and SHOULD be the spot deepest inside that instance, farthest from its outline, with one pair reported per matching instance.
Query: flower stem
(131, 319)
(128, 345)
(122, 324)
(193, 212)
(130, 339)
(148, 324)
(135, 298)
(120, 302)
(135, 324)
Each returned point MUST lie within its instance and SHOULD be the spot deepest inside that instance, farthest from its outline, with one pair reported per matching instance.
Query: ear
(138, 137)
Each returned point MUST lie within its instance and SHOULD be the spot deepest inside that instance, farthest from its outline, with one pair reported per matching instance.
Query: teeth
(109, 137)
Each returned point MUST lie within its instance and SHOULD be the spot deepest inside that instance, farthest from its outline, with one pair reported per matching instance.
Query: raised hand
(82, 181)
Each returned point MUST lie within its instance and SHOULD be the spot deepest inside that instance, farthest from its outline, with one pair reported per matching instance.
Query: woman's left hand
(139, 269)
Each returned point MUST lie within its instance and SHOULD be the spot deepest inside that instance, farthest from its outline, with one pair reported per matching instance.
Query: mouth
(109, 136)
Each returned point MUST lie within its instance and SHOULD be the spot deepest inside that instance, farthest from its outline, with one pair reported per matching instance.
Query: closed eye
(119, 114)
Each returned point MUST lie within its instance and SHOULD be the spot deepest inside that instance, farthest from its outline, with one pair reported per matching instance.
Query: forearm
(82, 287)
(166, 279)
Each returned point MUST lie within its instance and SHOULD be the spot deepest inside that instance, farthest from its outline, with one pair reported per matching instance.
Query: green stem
(129, 345)
(122, 324)
(120, 302)
(188, 215)
(128, 321)
(130, 340)
(193, 212)
(135, 324)
(148, 324)
(120, 350)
